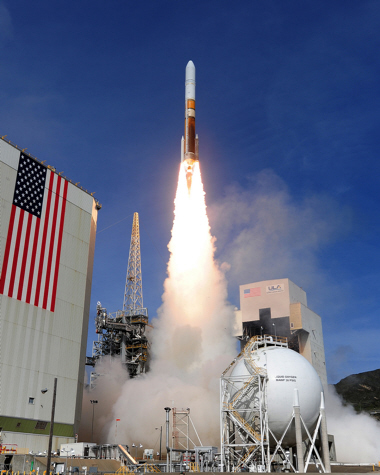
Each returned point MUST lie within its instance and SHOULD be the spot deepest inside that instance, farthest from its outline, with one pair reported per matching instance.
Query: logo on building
(272, 289)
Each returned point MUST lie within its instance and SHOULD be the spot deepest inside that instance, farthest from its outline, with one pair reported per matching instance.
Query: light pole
(275, 332)
(67, 454)
(117, 420)
(167, 410)
(135, 446)
(50, 445)
(160, 439)
(93, 402)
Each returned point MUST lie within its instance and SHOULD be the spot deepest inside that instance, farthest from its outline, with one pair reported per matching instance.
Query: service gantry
(122, 333)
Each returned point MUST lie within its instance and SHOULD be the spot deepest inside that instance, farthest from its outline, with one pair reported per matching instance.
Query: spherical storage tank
(286, 371)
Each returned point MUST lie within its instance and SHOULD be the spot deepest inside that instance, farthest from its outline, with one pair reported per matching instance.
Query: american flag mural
(33, 246)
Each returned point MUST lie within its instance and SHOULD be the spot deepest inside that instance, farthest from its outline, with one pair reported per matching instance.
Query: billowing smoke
(263, 233)
(357, 436)
(191, 338)
(98, 416)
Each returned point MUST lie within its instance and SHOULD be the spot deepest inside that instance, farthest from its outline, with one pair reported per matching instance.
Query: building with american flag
(47, 242)
(279, 308)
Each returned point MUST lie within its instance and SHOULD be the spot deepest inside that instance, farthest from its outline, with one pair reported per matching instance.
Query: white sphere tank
(286, 370)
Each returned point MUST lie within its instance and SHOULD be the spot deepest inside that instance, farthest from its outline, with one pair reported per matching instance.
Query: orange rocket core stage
(189, 129)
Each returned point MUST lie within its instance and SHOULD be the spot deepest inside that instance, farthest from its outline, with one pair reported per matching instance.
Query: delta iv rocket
(189, 143)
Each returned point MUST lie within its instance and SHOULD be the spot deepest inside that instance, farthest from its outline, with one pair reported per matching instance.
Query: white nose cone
(190, 81)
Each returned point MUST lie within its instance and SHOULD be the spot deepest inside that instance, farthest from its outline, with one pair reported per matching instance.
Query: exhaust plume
(192, 339)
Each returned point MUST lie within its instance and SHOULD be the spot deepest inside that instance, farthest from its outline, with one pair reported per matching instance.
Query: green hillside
(362, 391)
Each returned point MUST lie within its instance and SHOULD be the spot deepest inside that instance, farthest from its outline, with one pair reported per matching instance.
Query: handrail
(241, 421)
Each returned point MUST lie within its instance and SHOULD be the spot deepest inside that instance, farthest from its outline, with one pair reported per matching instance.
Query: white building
(47, 241)
(279, 307)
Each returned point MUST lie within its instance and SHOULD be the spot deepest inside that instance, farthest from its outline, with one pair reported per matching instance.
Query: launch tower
(122, 333)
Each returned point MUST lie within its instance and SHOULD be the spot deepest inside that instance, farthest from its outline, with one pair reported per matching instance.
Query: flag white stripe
(21, 251)
(29, 258)
(38, 250)
(55, 247)
(47, 242)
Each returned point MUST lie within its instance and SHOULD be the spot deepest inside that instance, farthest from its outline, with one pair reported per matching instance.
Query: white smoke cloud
(191, 337)
(357, 436)
(264, 233)
(97, 418)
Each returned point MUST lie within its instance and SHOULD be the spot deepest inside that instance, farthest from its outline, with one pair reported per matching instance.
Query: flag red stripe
(7, 248)
(24, 257)
(16, 252)
(51, 247)
(59, 244)
(33, 261)
(43, 243)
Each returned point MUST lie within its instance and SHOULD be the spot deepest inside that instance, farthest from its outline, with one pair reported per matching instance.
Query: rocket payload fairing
(189, 143)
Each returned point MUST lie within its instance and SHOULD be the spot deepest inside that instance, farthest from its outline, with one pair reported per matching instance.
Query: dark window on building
(41, 425)
(31, 400)
(265, 315)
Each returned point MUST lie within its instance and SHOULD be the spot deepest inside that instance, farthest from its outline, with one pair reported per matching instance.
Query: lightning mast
(133, 295)
(135, 350)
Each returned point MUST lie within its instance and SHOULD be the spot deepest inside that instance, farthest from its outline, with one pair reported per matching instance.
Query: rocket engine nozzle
(189, 173)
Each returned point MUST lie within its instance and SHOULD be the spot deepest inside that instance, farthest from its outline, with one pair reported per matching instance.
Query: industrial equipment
(272, 410)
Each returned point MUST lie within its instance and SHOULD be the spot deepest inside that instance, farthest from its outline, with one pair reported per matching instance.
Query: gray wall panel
(74, 253)
(9, 154)
(77, 223)
(79, 198)
(72, 286)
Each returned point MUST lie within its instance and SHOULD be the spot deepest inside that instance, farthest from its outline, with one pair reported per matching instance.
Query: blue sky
(288, 107)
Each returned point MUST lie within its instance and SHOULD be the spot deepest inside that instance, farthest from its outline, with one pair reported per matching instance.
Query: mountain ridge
(362, 391)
